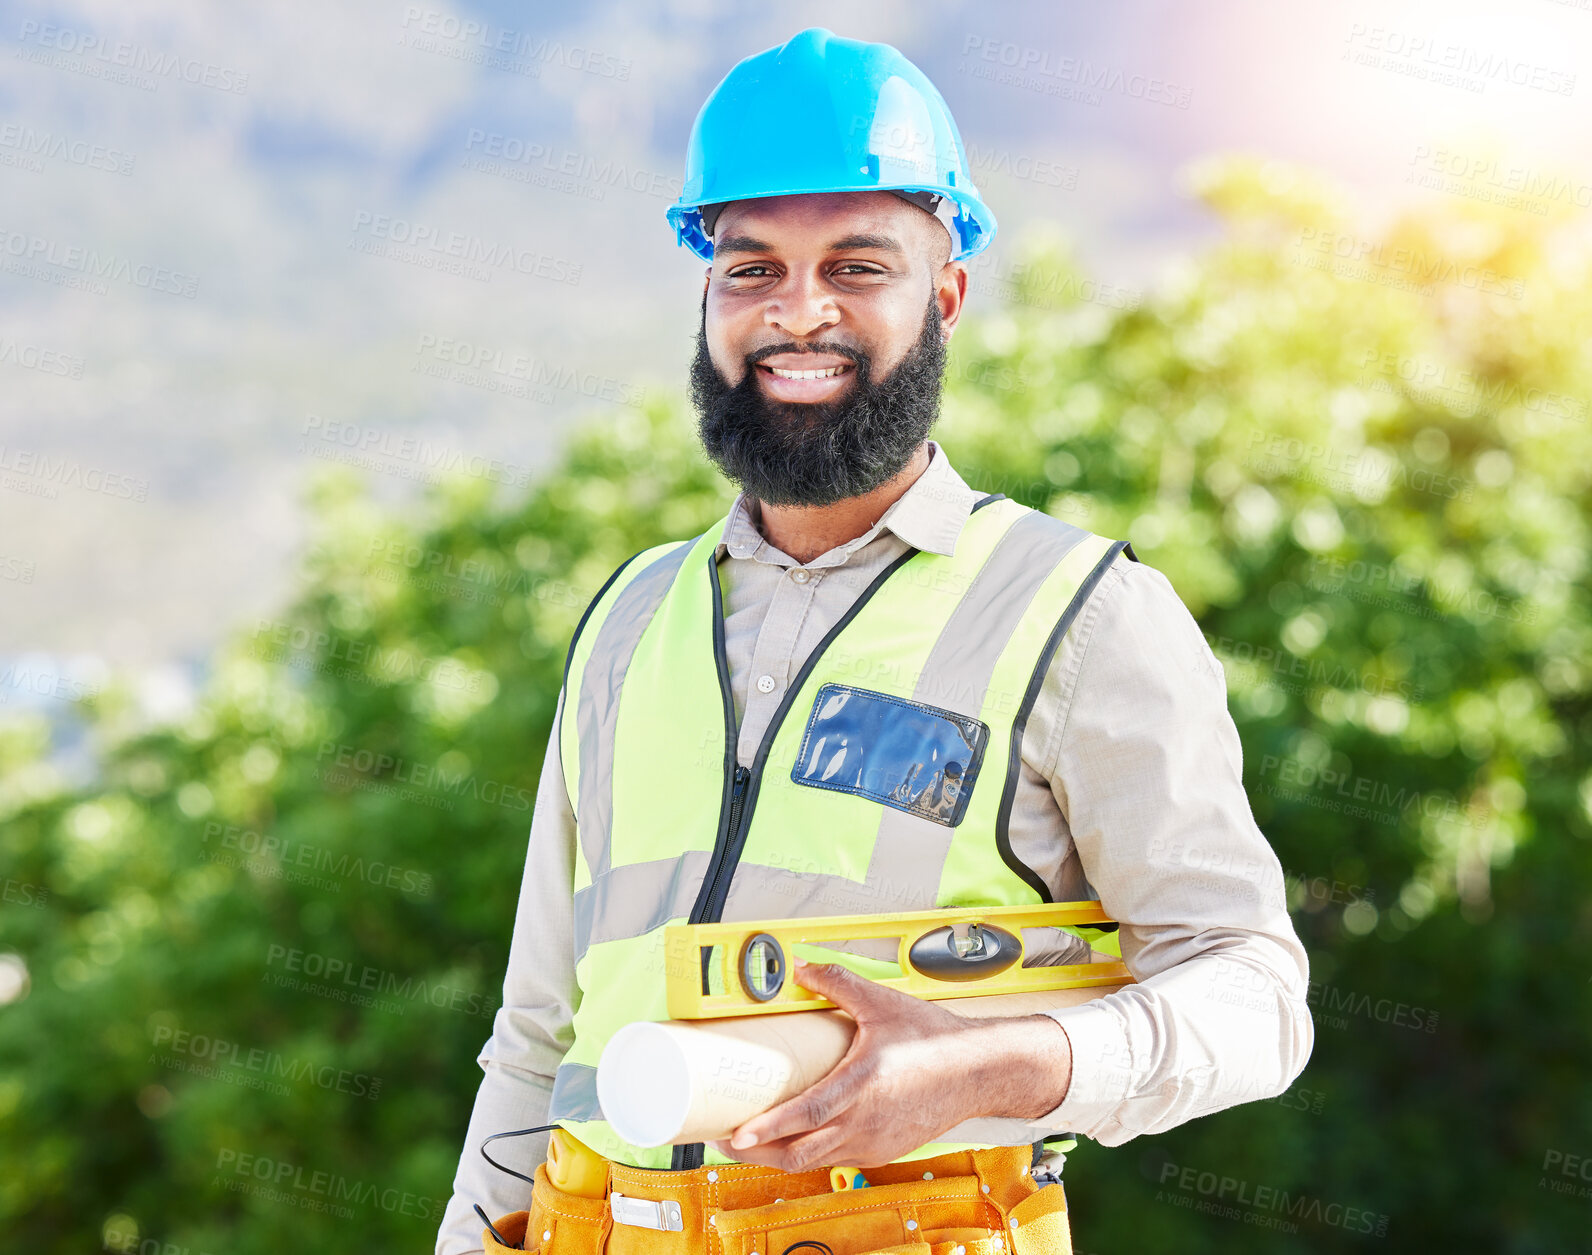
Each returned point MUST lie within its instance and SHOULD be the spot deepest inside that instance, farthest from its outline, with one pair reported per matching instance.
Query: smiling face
(824, 322)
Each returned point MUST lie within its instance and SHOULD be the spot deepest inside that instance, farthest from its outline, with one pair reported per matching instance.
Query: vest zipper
(719, 886)
(710, 902)
(727, 847)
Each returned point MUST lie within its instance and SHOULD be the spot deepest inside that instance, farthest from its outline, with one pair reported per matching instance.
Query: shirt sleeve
(531, 1032)
(1148, 773)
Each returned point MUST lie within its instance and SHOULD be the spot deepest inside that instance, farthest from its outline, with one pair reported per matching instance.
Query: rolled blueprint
(674, 1081)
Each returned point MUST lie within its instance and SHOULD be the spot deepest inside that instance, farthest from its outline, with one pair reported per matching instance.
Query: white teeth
(807, 374)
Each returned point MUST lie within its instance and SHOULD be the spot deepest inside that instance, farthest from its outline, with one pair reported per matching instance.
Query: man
(1049, 718)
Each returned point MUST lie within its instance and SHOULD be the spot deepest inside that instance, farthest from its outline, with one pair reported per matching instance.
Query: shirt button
(765, 684)
(801, 575)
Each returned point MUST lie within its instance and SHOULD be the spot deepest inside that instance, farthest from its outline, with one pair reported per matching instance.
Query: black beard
(815, 453)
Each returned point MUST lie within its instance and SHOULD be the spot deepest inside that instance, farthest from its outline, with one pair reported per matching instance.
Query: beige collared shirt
(1131, 791)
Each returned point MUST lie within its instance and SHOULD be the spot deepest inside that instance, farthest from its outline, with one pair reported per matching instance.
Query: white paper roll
(657, 1083)
(678, 1081)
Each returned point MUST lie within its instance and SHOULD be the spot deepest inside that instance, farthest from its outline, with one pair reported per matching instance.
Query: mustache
(857, 356)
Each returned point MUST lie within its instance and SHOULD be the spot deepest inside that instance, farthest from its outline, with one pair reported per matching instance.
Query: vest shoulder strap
(627, 564)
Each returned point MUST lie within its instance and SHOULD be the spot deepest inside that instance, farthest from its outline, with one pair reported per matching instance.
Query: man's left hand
(914, 1070)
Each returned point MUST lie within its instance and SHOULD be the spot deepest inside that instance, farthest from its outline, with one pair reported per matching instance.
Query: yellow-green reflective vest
(883, 783)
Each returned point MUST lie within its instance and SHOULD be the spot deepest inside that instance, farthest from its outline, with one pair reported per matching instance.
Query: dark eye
(861, 269)
(746, 272)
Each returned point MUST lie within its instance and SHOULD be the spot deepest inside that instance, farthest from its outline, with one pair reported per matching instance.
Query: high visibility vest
(883, 783)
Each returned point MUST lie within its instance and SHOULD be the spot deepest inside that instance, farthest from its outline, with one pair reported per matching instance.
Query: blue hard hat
(825, 114)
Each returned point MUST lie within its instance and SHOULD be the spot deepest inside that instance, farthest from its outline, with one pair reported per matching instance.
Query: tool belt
(972, 1202)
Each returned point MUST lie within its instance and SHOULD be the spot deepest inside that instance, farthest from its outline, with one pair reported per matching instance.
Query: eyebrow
(749, 244)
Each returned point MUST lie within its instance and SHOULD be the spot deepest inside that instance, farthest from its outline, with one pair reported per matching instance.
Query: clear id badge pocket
(917, 758)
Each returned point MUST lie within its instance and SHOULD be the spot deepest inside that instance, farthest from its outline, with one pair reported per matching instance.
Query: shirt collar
(929, 515)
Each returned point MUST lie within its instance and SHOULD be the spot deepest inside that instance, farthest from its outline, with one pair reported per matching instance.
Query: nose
(801, 306)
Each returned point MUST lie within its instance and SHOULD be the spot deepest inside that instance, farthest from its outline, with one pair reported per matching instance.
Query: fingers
(811, 1109)
(822, 1148)
(818, 977)
(831, 1099)
(856, 995)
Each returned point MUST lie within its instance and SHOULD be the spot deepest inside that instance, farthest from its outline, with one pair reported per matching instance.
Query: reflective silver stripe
(634, 898)
(598, 708)
(574, 1093)
(957, 675)
(959, 667)
(763, 892)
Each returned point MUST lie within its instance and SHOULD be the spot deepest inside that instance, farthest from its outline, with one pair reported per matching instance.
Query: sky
(270, 190)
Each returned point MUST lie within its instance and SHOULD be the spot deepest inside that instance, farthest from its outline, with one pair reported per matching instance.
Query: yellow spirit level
(740, 968)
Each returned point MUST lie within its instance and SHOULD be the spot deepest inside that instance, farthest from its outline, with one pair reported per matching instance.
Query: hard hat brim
(976, 221)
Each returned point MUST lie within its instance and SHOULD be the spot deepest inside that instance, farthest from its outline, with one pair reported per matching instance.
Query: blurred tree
(253, 965)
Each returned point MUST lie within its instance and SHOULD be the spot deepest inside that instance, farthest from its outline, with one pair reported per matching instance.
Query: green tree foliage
(263, 950)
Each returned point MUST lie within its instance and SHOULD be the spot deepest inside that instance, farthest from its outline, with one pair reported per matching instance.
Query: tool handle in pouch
(846, 1179)
(574, 1167)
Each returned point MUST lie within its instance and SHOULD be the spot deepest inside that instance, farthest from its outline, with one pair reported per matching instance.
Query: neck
(805, 532)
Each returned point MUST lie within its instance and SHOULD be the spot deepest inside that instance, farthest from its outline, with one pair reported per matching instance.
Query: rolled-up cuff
(1102, 1072)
